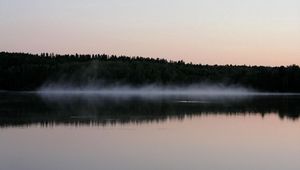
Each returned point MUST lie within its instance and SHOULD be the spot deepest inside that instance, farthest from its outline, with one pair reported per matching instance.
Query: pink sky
(207, 32)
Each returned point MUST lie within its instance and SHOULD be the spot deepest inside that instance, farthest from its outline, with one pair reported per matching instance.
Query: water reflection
(25, 109)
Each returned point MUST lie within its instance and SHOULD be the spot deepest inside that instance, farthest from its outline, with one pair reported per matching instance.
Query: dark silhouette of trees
(22, 71)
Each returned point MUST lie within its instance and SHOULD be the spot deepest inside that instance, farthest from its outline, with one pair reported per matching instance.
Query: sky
(251, 32)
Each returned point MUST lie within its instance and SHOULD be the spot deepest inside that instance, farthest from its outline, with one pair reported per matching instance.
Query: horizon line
(154, 58)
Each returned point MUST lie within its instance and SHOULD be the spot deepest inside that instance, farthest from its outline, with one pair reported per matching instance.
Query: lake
(92, 132)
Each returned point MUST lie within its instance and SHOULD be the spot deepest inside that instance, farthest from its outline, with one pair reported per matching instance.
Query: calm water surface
(44, 132)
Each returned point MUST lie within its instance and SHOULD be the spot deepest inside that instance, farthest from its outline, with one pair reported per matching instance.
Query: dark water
(76, 132)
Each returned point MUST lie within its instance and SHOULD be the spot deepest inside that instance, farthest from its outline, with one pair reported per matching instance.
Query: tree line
(23, 71)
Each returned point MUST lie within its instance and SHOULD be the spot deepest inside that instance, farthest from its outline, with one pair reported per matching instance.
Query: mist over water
(147, 90)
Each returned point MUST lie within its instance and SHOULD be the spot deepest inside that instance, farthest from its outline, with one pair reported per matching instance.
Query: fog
(149, 90)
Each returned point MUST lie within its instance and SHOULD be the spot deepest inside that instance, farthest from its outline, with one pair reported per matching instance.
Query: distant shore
(31, 72)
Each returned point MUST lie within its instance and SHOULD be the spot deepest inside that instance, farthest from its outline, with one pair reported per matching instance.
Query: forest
(27, 72)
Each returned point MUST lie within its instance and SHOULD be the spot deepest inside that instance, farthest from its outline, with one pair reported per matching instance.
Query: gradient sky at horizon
(252, 32)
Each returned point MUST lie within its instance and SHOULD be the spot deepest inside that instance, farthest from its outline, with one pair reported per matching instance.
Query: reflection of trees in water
(28, 109)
